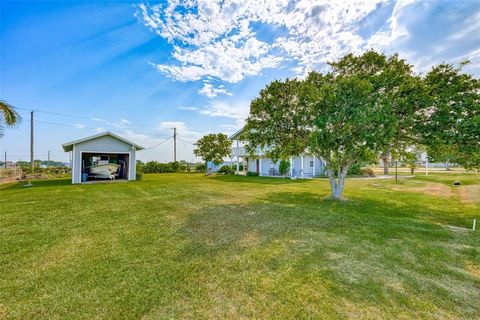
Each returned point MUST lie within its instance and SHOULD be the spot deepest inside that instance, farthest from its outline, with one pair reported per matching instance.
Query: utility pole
(174, 144)
(48, 161)
(5, 163)
(31, 142)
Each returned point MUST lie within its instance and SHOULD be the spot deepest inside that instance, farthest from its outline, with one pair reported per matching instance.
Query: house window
(311, 164)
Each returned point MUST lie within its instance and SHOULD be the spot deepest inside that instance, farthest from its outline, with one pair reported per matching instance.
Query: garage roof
(69, 145)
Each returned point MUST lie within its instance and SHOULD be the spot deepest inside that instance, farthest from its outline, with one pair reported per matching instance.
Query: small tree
(213, 147)
(284, 167)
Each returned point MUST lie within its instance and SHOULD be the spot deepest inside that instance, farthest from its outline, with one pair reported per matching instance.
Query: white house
(105, 156)
(303, 166)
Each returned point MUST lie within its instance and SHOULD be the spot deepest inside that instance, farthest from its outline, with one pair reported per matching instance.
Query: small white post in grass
(474, 224)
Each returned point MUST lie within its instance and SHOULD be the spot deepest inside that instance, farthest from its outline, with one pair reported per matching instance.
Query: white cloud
(235, 111)
(125, 122)
(100, 129)
(218, 38)
(79, 126)
(210, 91)
(188, 108)
(183, 132)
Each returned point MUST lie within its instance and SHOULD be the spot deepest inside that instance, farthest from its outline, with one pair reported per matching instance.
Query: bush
(354, 170)
(284, 167)
(252, 174)
(225, 170)
(139, 171)
(200, 167)
(157, 167)
(367, 172)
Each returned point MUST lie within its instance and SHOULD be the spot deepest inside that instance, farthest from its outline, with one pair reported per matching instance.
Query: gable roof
(237, 135)
(69, 145)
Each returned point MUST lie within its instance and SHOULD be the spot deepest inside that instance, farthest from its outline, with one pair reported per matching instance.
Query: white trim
(301, 166)
(114, 152)
(314, 160)
(96, 136)
(73, 164)
(238, 160)
(260, 167)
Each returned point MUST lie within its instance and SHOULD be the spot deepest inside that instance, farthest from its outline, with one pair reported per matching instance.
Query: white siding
(105, 144)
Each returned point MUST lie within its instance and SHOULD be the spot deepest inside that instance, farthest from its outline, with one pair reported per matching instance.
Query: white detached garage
(104, 156)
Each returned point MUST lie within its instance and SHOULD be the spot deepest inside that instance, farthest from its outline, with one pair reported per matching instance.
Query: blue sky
(138, 69)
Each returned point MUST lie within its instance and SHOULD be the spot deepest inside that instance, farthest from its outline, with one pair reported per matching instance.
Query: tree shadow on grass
(366, 252)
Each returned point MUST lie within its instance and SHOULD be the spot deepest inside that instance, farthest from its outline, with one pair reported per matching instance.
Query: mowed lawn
(193, 247)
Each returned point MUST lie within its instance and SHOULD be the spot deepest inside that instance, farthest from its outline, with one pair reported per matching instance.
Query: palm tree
(8, 116)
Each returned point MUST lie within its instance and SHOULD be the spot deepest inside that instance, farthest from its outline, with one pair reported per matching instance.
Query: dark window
(311, 164)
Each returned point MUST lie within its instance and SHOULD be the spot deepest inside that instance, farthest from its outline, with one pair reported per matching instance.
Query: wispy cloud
(218, 38)
(211, 91)
(188, 108)
(236, 111)
(183, 131)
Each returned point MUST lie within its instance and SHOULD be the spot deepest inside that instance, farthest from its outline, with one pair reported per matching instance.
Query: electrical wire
(185, 141)
(160, 143)
(83, 117)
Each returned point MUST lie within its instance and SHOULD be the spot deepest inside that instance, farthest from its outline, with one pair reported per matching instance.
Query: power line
(186, 141)
(85, 118)
(156, 145)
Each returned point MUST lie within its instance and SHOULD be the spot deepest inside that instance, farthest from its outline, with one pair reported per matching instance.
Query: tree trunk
(385, 157)
(337, 184)
(385, 165)
(447, 165)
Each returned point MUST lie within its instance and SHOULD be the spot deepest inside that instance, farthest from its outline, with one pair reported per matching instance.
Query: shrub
(354, 170)
(252, 174)
(200, 167)
(139, 171)
(225, 170)
(284, 167)
(367, 172)
(157, 167)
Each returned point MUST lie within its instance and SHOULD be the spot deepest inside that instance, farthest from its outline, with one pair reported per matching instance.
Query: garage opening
(104, 166)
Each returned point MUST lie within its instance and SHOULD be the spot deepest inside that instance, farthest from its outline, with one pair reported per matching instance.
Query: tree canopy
(451, 121)
(213, 147)
(8, 116)
(364, 106)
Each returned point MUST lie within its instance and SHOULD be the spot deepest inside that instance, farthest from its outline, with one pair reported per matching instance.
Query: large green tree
(213, 147)
(451, 120)
(8, 116)
(346, 116)
(350, 125)
(396, 89)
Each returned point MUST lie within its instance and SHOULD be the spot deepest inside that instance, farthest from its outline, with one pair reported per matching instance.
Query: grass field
(194, 247)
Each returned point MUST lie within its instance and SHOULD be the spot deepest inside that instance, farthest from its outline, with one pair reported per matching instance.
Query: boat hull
(103, 170)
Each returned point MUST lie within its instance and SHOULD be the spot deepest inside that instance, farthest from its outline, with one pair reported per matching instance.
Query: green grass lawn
(194, 247)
